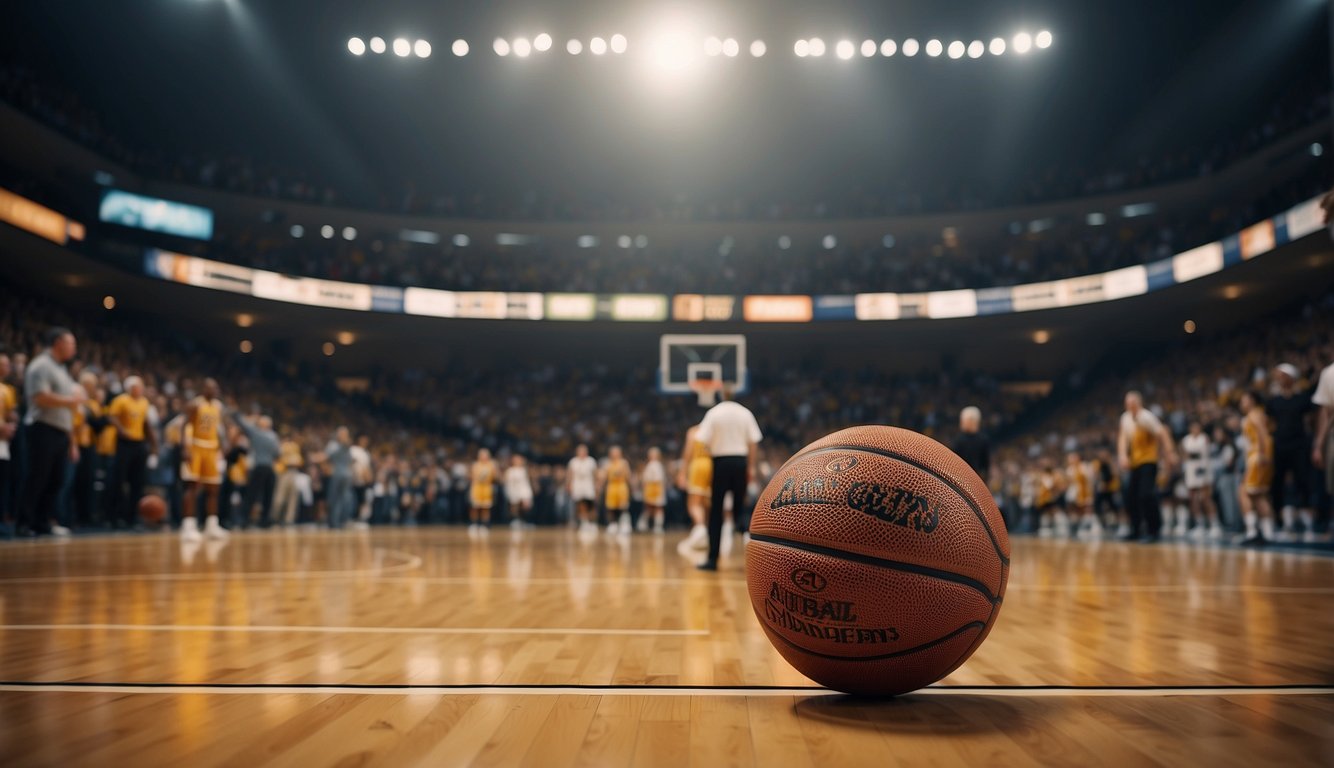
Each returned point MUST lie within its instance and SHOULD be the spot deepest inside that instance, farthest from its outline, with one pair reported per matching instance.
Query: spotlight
(817, 47)
(346, 338)
(845, 50)
(298, 230)
(1316, 149)
(623, 241)
(522, 47)
(377, 45)
(460, 48)
(1189, 326)
(888, 48)
(888, 241)
(619, 43)
(501, 46)
(1041, 337)
(641, 241)
(957, 49)
(802, 49)
(829, 242)
(246, 346)
(422, 49)
(784, 242)
(934, 48)
(910, 47)
(402, 47)
(997, 46)
(868, 48)
(327, 232)
(731, 48)
(1023, 43)
(349, 233)
(244, 320)
(356, 46)
(976, 49)
(109, 302)
(713, 46)
(542, 43)
(757, 48)
(597, 46)
(574, 47)
(461, 241)
(328, 349)
(1043, 39)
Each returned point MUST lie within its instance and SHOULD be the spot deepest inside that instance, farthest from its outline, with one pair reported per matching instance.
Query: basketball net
(707, 391)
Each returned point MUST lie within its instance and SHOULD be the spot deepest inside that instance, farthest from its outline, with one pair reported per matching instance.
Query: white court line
(410, 563)
(357, 630)
(342, 690)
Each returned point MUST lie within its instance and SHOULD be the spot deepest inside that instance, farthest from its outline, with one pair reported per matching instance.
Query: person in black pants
(135, 442)
(1287, 410)
(52, 398)
(1141, 442)
(731, 433)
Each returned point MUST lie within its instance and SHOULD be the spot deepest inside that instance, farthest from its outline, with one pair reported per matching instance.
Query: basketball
(152, 509)
(877, 562)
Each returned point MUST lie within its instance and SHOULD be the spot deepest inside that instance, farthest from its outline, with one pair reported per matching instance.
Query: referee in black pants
(52, 398)
(730, 431)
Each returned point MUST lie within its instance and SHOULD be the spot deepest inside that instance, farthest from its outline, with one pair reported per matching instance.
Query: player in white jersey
(581, 481)
(1199, 478)
(518, 490)
(654, 478)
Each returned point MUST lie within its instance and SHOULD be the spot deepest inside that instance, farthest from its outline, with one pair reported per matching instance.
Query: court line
(243, 628)
(410, 563)
(640, 691)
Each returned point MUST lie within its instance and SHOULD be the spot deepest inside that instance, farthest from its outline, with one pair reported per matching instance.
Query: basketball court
(424, 647)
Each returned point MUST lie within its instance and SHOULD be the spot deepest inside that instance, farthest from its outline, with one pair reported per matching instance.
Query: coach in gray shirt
(52, 396)
(263, 453)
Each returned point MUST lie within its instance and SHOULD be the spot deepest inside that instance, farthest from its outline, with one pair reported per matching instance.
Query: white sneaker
(642, 526)
(658, 530)
(359, 525)
(729, 537)
(1045, 531)
(213, 530)
(59, 530)
(1309, 537)
(625, 526)
(1181, 530)
(1216, 533)
(190, 530)
(1123, 530)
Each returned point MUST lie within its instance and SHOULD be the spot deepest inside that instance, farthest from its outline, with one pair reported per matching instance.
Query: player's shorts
(618, 496)
(1197, 475)
(519, 496)
(655, 495)
(482, 497)
(203, 466)
(581, 492)
(1259, 476)
(699, 477)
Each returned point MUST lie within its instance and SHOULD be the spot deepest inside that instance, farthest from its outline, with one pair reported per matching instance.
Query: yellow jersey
(130, 414)
(1142, 433)
(9, 400)
(206, 423)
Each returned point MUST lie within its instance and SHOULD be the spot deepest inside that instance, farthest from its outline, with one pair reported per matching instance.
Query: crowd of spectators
(1302, 103)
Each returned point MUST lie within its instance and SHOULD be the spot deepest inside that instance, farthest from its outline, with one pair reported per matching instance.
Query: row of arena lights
(814, 47)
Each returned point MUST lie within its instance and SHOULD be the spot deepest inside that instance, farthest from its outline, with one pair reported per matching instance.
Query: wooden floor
(421, 646)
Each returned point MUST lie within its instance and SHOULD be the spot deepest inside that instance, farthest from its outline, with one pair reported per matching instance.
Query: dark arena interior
(783, 383)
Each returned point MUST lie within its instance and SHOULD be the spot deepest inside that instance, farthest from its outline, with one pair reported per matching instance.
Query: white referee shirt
(729, 429)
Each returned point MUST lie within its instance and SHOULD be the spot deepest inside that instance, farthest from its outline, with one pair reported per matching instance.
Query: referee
(731, 433)
(52, 399)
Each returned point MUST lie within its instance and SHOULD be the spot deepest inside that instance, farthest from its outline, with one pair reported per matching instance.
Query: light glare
(1023, 43)
(802, 48)
(976, 49)
(888, 48)
(356, 46)
(422, 49)
(377, 45)
(845, 49)
(597, 46)
(934, 48)
(402, 47)
(522, 47)
(501, 46)
(1043, 39)
(817, 46)
(619, 43)
(997, 46)
(713, 46)
(574, 47)
(910, 47)
(868, 48)
(460, 48)
(957, 49)
(542, 42)
(757, 48)
(731, 48)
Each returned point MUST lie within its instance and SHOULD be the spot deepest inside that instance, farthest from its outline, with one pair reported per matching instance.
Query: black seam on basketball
(914, 463)
(879, 562)
(906, 652)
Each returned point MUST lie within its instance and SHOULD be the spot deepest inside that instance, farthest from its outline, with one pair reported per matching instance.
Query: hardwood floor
(272, 637)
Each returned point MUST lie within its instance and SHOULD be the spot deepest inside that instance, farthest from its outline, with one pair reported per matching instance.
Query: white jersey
(654, 473)
(1195, 466)
(655, 484)
(583, 478)
(517, 486)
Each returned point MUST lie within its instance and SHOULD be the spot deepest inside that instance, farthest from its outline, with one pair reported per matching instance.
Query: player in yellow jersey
(654, 478)
(136, 440)
(9, 422)
(200, 463)
(1255, 506)
(1079, 478)
(482, 493)
(696, 479)
(616, 491)
(1141, 441)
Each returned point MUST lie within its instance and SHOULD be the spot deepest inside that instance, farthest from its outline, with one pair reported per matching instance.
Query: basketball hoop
(706, 390)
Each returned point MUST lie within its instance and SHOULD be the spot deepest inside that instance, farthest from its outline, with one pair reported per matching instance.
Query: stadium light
(328, 349)
(597, 46)
(574, 47)
(817, 47)
(327, 232)
(676, 49)
(246, 346)
(868, 48)
(298, 231)
(1041, 337)
(377, 45)
(1023, 43)
(976, 49)
(888, 48)
(501, 46)
(522, 47)
(1317, 149)
(713, 46)
(460, 48)
(997, 46)
(844, 49)
(910, 47)
(244, 320)
(829, 242)
(422, 49)
(888, 241)
(623, 241)
(957, 49)
(349, 233)
(802, 48)
(757, 48)
(1188, 326)
(619, 43)
(641, 241)
(347, 338)
(784, 242)
(1043, 39)
(356, 46)
(402, 48)
(731, 48)
(934, 48)
(542, 43)
(461, 241)
(109, 301)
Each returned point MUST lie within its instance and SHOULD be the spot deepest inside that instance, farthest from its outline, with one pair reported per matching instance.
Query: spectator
(971, 444)
(52, 398)
(264, 450)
